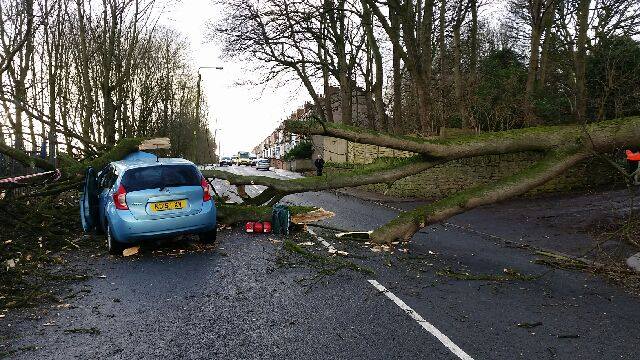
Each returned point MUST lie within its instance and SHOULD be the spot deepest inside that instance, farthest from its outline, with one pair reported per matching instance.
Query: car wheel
(115, 248)
(208, 237)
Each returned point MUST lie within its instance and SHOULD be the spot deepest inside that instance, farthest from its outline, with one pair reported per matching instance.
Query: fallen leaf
(343, 253)
(8, 242)
(308, 243)
(130, 251)
(10, 264)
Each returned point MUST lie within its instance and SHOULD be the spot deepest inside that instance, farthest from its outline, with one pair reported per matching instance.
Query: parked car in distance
(144, 197)
(254, 160)
(263, 164)
(226, 161)
(243, 158)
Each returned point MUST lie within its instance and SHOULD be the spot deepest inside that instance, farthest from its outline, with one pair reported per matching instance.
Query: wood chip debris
(10, 264)
(355, 234)
(131, 251)
(312, 216)
(157, 143)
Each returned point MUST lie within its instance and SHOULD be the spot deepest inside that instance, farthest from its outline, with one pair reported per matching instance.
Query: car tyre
(208, 237)
(115, 248)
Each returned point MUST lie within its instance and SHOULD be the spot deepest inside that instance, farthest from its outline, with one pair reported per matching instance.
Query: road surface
(248, 298)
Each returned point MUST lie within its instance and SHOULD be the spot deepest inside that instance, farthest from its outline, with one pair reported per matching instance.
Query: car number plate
(169, 205)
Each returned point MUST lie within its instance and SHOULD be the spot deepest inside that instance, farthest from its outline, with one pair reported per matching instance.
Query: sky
(243, 115)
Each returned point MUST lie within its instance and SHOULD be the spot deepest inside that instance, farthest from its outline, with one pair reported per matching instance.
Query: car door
(89, 201)
(106, 181)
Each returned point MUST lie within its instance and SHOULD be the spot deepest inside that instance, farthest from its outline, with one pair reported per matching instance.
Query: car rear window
(160, 176)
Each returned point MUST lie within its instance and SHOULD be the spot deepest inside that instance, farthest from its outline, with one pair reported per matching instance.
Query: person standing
(319, 163)
(633, 159)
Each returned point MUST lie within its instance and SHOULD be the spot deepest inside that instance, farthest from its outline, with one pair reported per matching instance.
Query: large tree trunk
(398, 123)
(564, 145)
(84, 72)
(533, 62)
(580, 59)
(426, 57)
(20, 77)
(408, 223)
(546, 45)
(473, 57)
(443, 49)
(378, 83)
(110, 25)
(457, 79)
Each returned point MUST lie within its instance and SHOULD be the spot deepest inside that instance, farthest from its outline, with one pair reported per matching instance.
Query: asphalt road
(249, 298)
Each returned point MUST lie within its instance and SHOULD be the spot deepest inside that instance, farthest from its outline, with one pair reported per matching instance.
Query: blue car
(143, 197)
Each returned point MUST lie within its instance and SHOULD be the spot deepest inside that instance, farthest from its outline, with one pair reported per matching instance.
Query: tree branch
(381, 171)
(408, 223)
(606, 135)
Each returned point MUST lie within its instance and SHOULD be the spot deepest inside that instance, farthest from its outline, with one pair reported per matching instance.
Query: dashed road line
(412, 313)
(324, 242)
(424, 323)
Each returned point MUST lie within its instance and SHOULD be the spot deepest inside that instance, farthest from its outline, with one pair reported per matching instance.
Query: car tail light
(207, 190)
(120, 198)
(249, 227)
(267, 226)
(257, 227)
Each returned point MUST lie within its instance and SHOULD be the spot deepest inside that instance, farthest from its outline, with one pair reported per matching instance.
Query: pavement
(247, 297)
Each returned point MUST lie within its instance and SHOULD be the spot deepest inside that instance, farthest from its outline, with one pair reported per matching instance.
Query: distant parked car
(226, 161)
(243, 158)
(143, 197)
(263, 164)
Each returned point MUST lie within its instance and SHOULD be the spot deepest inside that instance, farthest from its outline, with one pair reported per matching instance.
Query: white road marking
(406, 308)
(425, 324)
(324, 242)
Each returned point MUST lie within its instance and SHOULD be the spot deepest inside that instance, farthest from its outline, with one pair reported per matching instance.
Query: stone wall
(364, 153)
(457, 175)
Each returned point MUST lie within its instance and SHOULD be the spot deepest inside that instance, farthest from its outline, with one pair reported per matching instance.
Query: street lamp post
(217, 142)
(198, 95)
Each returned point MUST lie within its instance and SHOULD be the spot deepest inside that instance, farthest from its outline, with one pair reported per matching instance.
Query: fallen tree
(563, 146)
(71, 174)
(72, 171)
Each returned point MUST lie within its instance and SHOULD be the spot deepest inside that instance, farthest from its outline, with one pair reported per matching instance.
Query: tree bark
(582, 19)
(604, 136)
(408, 223)
(398, 123)
(377, 172)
